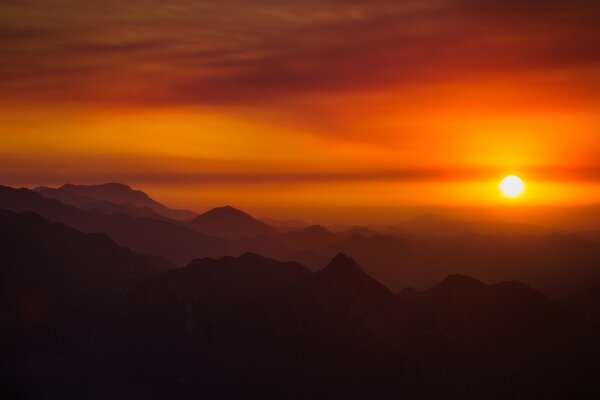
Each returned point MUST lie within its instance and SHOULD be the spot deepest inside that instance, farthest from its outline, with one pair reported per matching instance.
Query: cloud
(247, 52)
(409, 175)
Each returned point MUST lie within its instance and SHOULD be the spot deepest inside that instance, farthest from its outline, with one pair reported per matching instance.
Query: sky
(339, 110)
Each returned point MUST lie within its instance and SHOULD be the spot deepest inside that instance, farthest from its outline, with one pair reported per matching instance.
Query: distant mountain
(88, 203)
(120, 194)
(592, 236)
(437, 225)
(317, 236)
(284, 224)
(231, 223)
(558, 265)
(143, 235)
(313, 236)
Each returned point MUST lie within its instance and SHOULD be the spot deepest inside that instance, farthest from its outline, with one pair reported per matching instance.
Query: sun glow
(512, 186)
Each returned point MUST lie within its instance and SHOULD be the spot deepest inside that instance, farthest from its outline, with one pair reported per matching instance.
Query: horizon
(314, 106)
(570, 218)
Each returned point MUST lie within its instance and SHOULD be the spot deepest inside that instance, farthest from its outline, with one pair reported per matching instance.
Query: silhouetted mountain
(510, 337)
(88, 203)
(230, 223)
(316, 236)
(56, 286)
(50, 271)
(119, 193)
(287, 332)
(437, 225)
(313, 236)
(253, 327)
(592, 236)
(558, 265)
(143, 235)
(33, 248)
(289, 224)
(219, 285)
(586, 305)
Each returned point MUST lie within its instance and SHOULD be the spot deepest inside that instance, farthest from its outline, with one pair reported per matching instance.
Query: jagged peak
(342, 262)
(225, 210)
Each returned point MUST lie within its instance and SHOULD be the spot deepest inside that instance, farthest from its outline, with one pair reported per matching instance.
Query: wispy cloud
(241, 52)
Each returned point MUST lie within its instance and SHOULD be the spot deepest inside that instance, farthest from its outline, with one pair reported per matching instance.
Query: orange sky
(324, 109)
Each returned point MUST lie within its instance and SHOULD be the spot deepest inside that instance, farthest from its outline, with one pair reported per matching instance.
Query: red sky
(314, 109)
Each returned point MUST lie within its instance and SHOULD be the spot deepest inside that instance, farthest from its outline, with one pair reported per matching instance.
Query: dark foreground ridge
(253, 327)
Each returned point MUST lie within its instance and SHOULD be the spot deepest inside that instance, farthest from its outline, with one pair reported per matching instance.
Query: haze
(326, 111)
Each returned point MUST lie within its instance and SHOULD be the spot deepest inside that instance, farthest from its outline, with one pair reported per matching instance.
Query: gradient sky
(311, 109)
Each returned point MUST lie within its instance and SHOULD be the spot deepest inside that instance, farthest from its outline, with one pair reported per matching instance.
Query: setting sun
(512, 186)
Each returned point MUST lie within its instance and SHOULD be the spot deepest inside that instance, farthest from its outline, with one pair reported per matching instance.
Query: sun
(512, 186)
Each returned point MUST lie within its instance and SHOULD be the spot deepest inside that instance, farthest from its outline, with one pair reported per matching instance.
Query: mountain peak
(226, 210)
(108, 185)
(316, 229)
(111, 191)
(229, 222)
(342, 263)
(459, 282)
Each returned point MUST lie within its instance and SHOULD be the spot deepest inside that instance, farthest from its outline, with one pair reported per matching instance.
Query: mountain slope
(437, 225)
(119, 193)
(253, 327)
(45, 265)
(230, 223)
(287, 331)
(313, 236)
(88, 203)
(586, 305)
(558, 265)
(143, 235)
(508, 329)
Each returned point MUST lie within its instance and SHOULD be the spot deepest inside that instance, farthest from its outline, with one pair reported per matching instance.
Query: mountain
(57, 287)
(254, 327)
(316, 237)
(284, 224)
(49, 268)
(143, 235)
(231, 223)
(219, 285)
(313, 236)
(187, 328)
(592, 236)
(269, 329)
(121, 194)
(586, 305)
(88, 203)
(509, 337)
(437, 225)
(558, 265)
(53, 256)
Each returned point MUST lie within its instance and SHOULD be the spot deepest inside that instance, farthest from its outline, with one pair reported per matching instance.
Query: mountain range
(85, 318)
(113, 197)
(558, 264)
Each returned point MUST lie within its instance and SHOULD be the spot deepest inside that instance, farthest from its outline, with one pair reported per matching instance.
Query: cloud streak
(243, 52)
